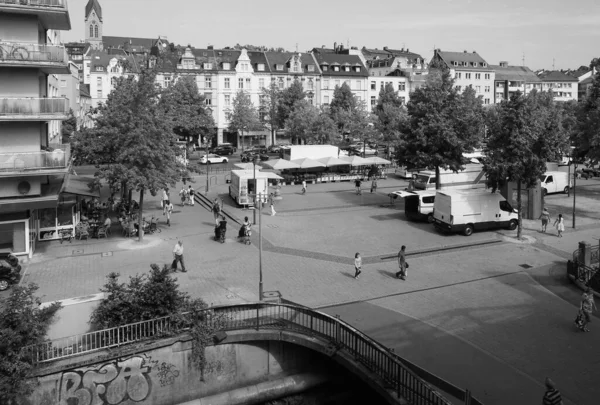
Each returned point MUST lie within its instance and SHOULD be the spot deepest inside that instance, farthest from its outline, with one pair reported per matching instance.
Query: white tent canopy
(333, 161)
(376, 160)
(306, 163)
(279, 164)
(356, 161)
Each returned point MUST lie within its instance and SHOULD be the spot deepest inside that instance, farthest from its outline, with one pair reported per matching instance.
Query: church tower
(93, 24)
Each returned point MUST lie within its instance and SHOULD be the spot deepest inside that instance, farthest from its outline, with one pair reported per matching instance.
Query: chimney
(335, 46)
(385, 48)
(322, 46)
(503, 63)
(210, 47)
(474, 51)
(407, 50)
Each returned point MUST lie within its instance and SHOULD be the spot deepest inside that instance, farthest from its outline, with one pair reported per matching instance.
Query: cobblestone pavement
(473, 313)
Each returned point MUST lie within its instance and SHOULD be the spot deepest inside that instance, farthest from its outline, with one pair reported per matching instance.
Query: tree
(22, 323)
(301, 121)
(132, 142)
(524, 133)
(391, 115)
(244, 116)
(288, 100)
(348, 114)
(442, 125)
(587, 136)
(323, 128)
(269, 106)
(185, 108)
(68, 127)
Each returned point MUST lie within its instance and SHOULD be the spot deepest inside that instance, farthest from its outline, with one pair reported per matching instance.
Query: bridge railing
(366, 351)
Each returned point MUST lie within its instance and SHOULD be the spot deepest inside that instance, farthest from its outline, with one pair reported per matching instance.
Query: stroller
(245, 233)
(221, 230)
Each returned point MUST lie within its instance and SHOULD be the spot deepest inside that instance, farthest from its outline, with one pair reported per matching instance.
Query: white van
(555, 182)
(467, 211)
(418, 205)
(472, 176)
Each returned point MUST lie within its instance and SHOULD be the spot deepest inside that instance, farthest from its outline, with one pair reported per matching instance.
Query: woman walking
(545, 217)
(272, 204)
(587, 305)
(374, 185)
(357, 265)
(560, 225)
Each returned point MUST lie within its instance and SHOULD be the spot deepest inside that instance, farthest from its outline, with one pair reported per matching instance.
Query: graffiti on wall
(114, 383)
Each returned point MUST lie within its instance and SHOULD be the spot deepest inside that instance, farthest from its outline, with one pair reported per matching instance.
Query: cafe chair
(102, 232)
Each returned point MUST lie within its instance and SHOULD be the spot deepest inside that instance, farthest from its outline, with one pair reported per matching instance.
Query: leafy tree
(133, 140)
(22, 324)
(524, 133)
(301, 120)
(271, 97)
(391, 115)
(348, 114)
(442, 125)
(323, 128)
(184, 107)
(288, 100)
(68, 127)
(244, 116)
(587, 137)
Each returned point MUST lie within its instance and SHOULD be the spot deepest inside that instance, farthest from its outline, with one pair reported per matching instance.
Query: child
(560, 225)
(357, 265)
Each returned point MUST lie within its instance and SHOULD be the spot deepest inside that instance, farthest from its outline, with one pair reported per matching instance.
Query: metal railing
(36, 3)
(585, 274)
(376, 358)
(27, 52)
(58, 157)
(34, 106)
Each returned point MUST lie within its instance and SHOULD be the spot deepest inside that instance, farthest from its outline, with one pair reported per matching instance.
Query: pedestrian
(552, 395)
(184, 195)
(303, 186)
(191, 193)
(545, 217)
(165, 200)
(178, 256)
(560, 225)
(272, 204)
(357, 265)
(357, 183)
(374, 185)
(216, 209)
(169, 211)
(402, 265)
(587, 306)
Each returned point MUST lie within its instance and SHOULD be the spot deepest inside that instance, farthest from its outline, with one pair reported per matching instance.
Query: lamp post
(574, 192)
(260, 272)
(255, 189)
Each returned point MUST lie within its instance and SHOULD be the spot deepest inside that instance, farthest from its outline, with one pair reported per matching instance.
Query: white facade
(482, 81)
(376, 83)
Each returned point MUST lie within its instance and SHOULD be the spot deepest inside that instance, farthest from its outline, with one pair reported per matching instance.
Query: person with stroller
(245, 230)
(221, 230)
(184, 195)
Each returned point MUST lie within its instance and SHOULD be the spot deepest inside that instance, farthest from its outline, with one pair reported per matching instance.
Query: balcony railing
(58, 156)
(23, 108)
(26, 53)
(36, 3)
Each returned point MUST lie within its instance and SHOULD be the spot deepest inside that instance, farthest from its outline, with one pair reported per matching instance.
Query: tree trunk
(241, 140)
(124, 191)
(130, 195)
(272, 136)
(140, 217)
(520, 218)
(438, 185)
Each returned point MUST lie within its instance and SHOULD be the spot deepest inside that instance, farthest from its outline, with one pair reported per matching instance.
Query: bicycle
(13, 51)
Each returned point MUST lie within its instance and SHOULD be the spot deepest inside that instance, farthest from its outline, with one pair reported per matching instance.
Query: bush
(22, 324)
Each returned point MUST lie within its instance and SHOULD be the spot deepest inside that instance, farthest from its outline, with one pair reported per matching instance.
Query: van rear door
(442, 208)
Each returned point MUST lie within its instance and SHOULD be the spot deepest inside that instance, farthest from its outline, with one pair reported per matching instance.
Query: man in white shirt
(178, 256)
(191, 193)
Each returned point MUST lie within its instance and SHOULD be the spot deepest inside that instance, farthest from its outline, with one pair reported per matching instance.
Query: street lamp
(254, 161)
(258, 201)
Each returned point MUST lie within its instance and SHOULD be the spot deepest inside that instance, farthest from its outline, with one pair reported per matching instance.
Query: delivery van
(418, 205)
(472, 210)
(555, 182)
(471, 177)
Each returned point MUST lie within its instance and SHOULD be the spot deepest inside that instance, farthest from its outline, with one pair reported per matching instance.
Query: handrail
(366, 351)
(59, 157)
(34, 106)
(31, 52)
(36, 3)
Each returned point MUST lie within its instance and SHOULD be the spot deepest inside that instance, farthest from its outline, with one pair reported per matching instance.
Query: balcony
(52, 59)
(33, 109)
(53, 14)
(55, 160)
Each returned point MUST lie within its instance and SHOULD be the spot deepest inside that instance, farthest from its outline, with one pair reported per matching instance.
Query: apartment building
(468, 69)
(383, 72)
(512, 79)
(563, 86)
(33, 162)
(339, 68)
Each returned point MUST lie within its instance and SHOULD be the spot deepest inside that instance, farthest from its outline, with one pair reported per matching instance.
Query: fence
(378, 359)
(587, 275)
(34, 106)
(32, 52)
(59, 157)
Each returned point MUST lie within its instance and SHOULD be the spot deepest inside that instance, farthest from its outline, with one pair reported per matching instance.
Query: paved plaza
(485, 312)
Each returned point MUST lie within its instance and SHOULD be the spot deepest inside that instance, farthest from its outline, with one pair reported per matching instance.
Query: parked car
(223, 149)
(590, 171)
(213, 158)
(249, 155)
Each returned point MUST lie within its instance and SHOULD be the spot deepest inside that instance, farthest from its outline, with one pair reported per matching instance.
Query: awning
(33, 203)
(78, 185)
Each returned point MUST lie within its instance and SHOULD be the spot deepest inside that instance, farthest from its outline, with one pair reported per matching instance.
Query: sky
(546, 34)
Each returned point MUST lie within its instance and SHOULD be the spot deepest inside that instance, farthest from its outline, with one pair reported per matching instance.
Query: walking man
(272, 204)
(552, 395)
(357, 183)
(191, 193)
(216, 209)
(169, 210)
(165, 200)
(184, 195)
(178, 256)
(401, 274)
(303, 186)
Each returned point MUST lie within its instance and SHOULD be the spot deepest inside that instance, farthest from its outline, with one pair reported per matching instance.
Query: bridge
(64, 365)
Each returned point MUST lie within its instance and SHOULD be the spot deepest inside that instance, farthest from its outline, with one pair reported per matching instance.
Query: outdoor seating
(81, 232)
(101, 232)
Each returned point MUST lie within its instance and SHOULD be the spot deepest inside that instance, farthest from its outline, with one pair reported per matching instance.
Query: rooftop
(472, 59)
(324, 59)
(515, 73)
(93, 4)
(555, 76)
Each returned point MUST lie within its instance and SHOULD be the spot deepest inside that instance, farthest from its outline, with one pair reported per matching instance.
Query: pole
(255, 191)
(207, 165)
(574, 192)
(260, 272)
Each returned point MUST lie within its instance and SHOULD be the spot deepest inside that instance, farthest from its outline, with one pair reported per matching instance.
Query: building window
(91, 31)
(261, 83)
(167, 81)
(226, 66)
(280, 83)
(227, 100)
(63, 83)
(487, 76)
(324, 68)
(326, 100)
(279, 67)
(240, 83)
(261, 67)
(486, 101)
(477, 76)
(467, 75)
(208, 98)
(478, 89)
(357, 69)
(311, 68)
(381, 85)
(99, 81)
(207, 82)
(346, 68)
(99, 93)
(227, 83)
(248, 86)
(475, 64)
(401, 86)
(113, 81)
(373, 101)
(325, 83)
(458, 75)
(95, 31)
(373, 86)
(336, 68)
(458, 88)
(99, 68)
(403, 100)
(207, 66)
(309, 98)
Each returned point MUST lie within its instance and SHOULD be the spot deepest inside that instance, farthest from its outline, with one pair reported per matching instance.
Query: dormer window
(346, 68)
(226, 66)
(336, 68)
(357, 69)
(455, 63)
(207, 66)
(325, 68)
(484, 64)
(188, 63)
(311, 68)
(99, 69)
(278, 67)
(474, 64)
(465, 63)
(261, 67)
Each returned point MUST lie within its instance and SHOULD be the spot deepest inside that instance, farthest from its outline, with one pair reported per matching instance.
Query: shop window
(13, 237)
